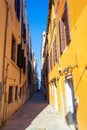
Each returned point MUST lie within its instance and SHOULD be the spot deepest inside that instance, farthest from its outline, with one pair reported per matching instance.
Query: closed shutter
(18, 11)
(24, 32)
(17, 8)
(29, 72)
(13, 51)
(51, 60)
(16, 93)
(24, 65)
(16, 5)
(19, 55)
(48, 63)
(62, 36)
(10, 94)
(23, 28)
(22, 58)
(67, 24)
(55, 50)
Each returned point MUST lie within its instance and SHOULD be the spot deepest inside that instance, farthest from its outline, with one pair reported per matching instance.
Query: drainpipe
(3, 64)
(5, 95)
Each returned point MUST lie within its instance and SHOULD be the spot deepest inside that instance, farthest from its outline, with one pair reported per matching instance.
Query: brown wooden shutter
(51, 60)
(67, 24)
(24, 64)
(13, 51)
(22, 58)
(19, 55)
(48, 63)
(24, 32)
(29, 72)
(17, 8)
(62, 36)
(10, 94)
(55, 51)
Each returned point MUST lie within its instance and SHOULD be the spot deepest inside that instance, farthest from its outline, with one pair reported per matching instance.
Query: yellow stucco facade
(75, 54)
(13, 88)
(67, 76)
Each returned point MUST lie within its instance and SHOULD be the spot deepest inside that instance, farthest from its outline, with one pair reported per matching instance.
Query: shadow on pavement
(28, 112)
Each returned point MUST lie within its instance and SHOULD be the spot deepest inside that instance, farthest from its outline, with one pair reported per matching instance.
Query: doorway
(55, 96)
(70, 101)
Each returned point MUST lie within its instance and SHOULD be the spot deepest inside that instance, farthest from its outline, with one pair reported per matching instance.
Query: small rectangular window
(19, 46)
(17, 8)
(16, 92)
(10, 94)
(24, 65)
(20, 92)
(13, 50)
(24, 31)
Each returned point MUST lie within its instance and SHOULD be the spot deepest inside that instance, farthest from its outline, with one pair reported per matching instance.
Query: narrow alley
(43, 65)
(35, 114)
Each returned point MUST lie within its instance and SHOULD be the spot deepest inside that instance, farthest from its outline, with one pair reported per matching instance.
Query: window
(20, 92)
(22, 58)
(64, 30)
(55, 51)
(24, 31)
(19, 55)
(17, 8)
(24, 65)
(16, 92)
(10, 94)
(13, 51)
(51, 60)
(29, 72)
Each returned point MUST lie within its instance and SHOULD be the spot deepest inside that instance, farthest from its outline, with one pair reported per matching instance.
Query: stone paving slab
(36, 114)
(48, 119)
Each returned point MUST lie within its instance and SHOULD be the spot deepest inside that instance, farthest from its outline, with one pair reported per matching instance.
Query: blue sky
(37, 16)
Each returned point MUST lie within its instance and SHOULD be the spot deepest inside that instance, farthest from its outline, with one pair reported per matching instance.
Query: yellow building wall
(13, 76)
(53, 74)
(75, 54)
(2, 31)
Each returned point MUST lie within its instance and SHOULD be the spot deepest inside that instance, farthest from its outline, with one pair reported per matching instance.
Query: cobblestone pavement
(36, 114)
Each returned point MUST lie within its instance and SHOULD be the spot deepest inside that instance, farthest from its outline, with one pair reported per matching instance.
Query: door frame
(70, 104)
(55, 96)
